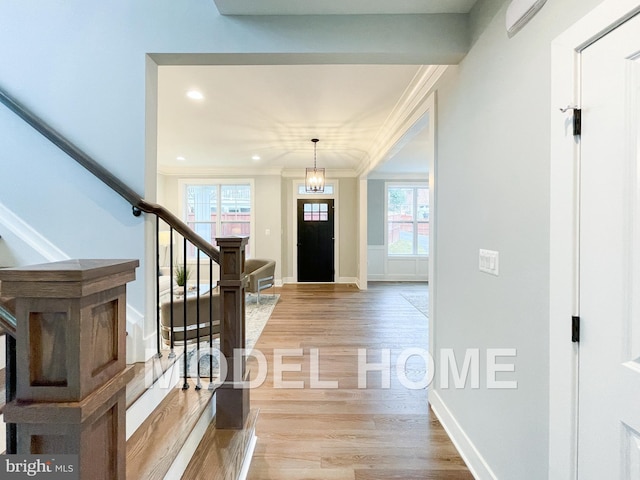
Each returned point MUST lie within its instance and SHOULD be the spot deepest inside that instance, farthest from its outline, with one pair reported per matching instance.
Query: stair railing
(8, 325)
(232, 318)
(191, 298)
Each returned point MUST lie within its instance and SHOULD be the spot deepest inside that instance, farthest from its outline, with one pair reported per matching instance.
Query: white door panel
(609, 372)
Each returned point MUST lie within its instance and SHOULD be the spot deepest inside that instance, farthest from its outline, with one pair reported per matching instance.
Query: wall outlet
(488, 261)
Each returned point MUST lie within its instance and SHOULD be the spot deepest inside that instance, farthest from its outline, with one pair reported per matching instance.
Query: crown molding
(409, 109)
(329, 173)
(182, 171)
(193, 171)
(399, 177)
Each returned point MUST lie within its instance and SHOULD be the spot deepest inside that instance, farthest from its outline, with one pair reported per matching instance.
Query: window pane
(328, 190)
(423, 238)
(400, 237)
(235, 202)
(201, 202)
(423, 204)
(400, 204)
(408, 220)
(217, 210)
(315, 212)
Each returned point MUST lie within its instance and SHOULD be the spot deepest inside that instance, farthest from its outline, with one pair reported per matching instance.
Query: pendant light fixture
(314, 178)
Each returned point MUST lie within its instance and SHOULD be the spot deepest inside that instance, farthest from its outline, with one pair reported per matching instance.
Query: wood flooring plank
(346, 433)
(404, 474)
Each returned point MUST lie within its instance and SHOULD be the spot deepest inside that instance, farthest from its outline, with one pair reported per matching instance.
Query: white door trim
(563, 301)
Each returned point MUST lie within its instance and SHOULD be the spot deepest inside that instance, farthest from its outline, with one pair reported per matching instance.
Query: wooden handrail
(137, 202)
(180, 227)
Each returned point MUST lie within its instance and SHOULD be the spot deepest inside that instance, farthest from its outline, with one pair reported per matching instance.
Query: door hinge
(575, 329)
(577, 122)
(577, 119)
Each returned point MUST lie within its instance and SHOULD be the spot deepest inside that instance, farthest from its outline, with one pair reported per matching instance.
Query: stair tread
(220, 452)
(157, 366)
(153, 447)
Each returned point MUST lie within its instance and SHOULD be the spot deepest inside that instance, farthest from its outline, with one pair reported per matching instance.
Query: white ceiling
(341, 7)
(274, 111)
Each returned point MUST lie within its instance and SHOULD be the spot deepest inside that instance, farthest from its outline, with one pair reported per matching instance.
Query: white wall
(493, 192)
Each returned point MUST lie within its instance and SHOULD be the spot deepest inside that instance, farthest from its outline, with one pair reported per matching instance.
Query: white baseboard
(340, 280)
(3, 434)
(246, 463)
(475, 462)
(348, 280)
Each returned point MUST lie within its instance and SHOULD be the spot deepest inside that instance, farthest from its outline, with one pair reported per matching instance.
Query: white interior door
(609, 372)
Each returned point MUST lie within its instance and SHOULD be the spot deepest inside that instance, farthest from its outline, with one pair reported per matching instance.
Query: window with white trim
(218, 210)
(407, 220)
(328, 190)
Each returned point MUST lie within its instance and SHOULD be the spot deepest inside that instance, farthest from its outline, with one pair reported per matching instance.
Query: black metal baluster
(158, 285)
(211, 324)
(172, 353)
(198, 384)
(10, 392)
(185, 385)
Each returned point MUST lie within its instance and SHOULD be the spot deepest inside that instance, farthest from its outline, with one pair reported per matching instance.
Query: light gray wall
(493, 192)
(269, 217)
(285, 198)
(375, 212)
(348, 241)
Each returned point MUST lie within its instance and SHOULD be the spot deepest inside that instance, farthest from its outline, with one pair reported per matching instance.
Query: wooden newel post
(232, 398)
(71, 361)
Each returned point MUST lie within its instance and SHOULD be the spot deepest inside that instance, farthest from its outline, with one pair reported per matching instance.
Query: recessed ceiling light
(195, 95)
(180, 159)
(255, 157)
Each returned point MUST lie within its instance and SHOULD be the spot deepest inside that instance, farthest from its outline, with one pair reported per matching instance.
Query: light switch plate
(489, 261)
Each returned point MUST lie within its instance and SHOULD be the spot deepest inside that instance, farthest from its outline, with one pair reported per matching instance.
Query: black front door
(315, 240)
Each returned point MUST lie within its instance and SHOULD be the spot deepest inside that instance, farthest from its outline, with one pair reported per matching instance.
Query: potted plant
(181, 275)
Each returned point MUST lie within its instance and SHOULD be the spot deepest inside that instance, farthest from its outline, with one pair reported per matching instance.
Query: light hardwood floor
(347, 432)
